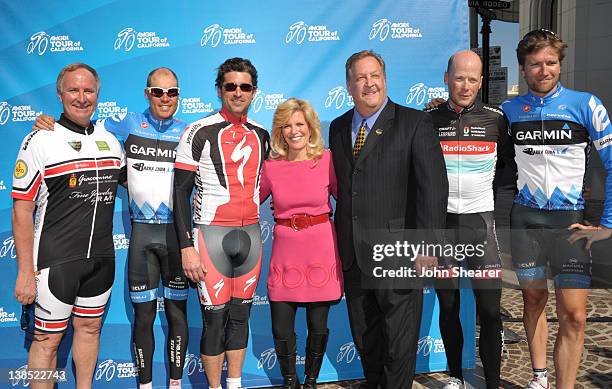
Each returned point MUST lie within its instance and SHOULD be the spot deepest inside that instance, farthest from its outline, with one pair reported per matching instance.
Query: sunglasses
(542, 33)
(230, 87)
(159, 92)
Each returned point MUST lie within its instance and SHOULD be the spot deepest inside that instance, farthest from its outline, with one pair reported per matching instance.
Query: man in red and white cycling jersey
(221, 155)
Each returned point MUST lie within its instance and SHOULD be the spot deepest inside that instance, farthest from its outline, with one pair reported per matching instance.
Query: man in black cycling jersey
(67, 179)
(221, 156)
(150, 139)
(472, 135)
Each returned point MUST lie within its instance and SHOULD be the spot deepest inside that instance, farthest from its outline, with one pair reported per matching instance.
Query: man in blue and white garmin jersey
(150, 139)
(551, 128)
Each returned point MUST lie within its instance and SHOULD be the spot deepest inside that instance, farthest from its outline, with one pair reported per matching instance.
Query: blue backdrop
(299, 49)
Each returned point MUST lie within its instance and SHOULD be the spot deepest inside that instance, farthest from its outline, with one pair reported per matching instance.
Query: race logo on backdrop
(40, 42)
(7, 250)
(109, 369)
(7, 317)
(300, 32)
(121, 242)
(194, 105)
(339, 98)
(107, 109)
(267, 101)
(384, 28)
(17, 113)
(128, 37)
(215, 34)
(419, 94)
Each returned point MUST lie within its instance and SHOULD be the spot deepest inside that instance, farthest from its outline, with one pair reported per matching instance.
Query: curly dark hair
(236, 64)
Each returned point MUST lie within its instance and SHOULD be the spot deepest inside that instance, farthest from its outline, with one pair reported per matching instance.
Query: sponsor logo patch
(21, 169)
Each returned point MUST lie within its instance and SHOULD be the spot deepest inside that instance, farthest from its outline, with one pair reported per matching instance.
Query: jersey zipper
(542, 129)
(93, 220)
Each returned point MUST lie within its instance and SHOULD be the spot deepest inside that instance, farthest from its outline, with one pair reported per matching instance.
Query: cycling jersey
(72, 174)
(225, 154)
(551, 137)
(471, 141)
(150, 147)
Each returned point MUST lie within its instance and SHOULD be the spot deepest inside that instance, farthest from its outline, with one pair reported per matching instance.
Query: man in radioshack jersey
(551, 128)
(150, 139)
(64, 189)
(221, 155)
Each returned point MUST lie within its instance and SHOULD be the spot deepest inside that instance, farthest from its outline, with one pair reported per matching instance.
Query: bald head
(464, 78)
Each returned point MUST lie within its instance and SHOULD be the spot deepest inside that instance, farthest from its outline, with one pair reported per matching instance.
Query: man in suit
(391, 182)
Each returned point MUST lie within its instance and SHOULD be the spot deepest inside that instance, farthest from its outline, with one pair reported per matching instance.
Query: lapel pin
(378, 131)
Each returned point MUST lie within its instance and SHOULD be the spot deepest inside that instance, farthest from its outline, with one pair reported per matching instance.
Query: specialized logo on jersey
(339, 98)
(398, 30)
(242, 154)
(231, 36)
(40, 42)
(300, 32)
(419, 92)
(17, 113)
(267, 101)
(194, 105)
(248, 283)
(21, 169)
(127, 37)
(107, 109)
(218, 286)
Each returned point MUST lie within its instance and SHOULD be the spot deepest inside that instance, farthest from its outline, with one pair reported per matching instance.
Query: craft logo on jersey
(17, 113)
(339, 98)
(109, 369)
(191, 105)
(398, 30)
(40, 42)
(7, 250)
(107, 109)
(300, 32)
(21, 169)
(419, 93)
(267, 101)
(128, 37)
(7, 317)
(214, 33)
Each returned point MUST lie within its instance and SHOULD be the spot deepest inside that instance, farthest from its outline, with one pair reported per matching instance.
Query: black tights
(283, 317)
(487, 307)
(144, 344)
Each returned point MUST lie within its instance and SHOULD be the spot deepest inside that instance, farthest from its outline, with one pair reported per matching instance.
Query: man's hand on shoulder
(44, 122)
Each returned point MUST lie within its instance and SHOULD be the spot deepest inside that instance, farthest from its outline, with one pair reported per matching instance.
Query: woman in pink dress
(305, 267)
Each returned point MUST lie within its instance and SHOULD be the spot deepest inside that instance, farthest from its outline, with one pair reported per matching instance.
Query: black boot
(315, 350)
(285, 352)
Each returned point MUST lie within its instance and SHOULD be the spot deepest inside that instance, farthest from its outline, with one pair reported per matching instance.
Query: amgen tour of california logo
(16, 113)
(214, 33)
(300, 32)
(398, 30)
(338, 98)
(107, 109)
(128, 37)
(419, 93)
(194, 105)
(108, 369)
(267, 101)
(7, 250)
(41, 41)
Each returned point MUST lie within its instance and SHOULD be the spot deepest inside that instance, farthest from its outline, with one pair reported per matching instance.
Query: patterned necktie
(359, 140)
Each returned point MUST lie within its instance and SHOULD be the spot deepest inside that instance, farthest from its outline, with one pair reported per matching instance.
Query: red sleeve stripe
(88, 312)
(51, 326)
(29, 194)
(185, 166)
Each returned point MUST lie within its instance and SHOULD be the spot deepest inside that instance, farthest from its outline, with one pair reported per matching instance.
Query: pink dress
(305, 265)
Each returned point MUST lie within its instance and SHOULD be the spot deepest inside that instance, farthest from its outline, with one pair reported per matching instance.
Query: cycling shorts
(539, 237)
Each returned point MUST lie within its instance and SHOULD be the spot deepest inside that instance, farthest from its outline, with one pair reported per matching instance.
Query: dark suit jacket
(398, 183)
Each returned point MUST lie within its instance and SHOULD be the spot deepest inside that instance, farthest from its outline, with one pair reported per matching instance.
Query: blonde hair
(285, 110)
